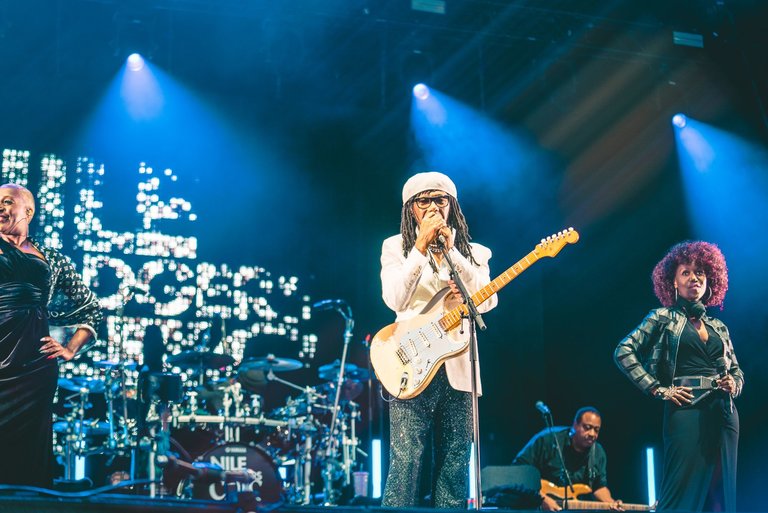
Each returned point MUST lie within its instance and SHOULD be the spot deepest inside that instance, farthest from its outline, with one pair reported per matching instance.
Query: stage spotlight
(679, 120)
(135, 62)
(421, 91)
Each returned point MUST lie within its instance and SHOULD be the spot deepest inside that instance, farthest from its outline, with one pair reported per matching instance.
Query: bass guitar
(559, 493)
(406, 355)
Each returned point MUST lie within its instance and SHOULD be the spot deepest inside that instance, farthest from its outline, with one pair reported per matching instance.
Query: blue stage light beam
(140, 90)
(135, 62)
(150, 116)
(505, 169)
(421, 91)
(679, 120)
(726, 187)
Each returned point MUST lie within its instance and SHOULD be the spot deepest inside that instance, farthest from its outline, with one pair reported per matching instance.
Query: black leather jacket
(648, 355)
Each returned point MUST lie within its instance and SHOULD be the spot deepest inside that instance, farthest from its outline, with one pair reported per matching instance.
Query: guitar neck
(454, 316)
(575, 504)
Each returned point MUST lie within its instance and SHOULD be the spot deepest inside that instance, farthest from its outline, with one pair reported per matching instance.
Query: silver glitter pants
(448, 412)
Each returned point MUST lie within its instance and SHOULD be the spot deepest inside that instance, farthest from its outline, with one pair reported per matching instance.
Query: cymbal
(193, 359)
(350, 389)
(75, 384)
(271, 362)
(87, 427)
(360, 374)
(330, 372)
(109, 364)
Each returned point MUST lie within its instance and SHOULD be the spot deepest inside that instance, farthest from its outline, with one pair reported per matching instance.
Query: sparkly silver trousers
(448, 412)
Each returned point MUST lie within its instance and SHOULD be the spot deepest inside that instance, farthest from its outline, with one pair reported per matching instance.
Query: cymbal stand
(330, 494)
(74, 445)
(350, 443)
(302, 481)
(127, 441)
(109, 397)
(310, 391)
(233, 396)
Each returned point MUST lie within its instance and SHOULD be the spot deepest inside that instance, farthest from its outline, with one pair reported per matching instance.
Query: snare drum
(267, 485)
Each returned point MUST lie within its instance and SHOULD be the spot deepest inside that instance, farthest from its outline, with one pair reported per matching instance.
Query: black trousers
(447, 413)
(696, 439)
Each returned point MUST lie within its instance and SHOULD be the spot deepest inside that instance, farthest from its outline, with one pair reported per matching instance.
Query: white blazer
(409, 283)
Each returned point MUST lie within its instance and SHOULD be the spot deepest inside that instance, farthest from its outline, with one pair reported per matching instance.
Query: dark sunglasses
(423, 202)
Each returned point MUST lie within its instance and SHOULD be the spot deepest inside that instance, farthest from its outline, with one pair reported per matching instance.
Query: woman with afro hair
(681, 355)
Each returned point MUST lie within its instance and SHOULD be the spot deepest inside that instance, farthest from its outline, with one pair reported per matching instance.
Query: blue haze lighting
(679, 120)
(726, 193)
(482, 155)
(421, 91)
(140, 90)
(135, 62)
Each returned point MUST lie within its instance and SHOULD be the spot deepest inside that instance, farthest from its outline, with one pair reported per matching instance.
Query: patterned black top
(70, 301)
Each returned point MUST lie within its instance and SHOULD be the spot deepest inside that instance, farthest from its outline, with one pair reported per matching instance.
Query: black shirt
(541, 452)
(697, 358)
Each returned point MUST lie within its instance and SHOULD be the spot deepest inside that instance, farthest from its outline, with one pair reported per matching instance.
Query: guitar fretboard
(575, 504)
(453, 317)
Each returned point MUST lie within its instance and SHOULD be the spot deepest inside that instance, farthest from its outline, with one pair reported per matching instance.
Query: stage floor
(29, 502)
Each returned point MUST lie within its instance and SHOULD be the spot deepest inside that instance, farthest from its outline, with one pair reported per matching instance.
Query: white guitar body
(406, 355)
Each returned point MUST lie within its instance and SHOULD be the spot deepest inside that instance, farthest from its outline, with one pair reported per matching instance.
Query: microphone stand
(563, 470)
(475, 319)
(349, 325)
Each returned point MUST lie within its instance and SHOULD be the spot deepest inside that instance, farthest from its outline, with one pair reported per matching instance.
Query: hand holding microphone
(725, 381)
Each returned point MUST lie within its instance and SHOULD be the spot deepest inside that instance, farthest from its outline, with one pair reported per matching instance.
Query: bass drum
(268, 486)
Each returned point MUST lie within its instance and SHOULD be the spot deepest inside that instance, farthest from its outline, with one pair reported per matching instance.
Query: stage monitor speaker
(511, 487)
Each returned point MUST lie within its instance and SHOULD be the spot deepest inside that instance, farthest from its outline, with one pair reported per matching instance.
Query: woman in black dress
(683, 356)
(32, 280)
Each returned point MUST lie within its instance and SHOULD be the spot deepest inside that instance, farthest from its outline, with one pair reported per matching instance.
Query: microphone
(329, 304)
(543, 409)
(722, 369)
(441, 240)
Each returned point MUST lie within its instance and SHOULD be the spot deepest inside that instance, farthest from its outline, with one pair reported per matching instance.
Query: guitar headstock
(552, 245)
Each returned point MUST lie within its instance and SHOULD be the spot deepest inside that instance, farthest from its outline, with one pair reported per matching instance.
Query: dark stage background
(289, 127)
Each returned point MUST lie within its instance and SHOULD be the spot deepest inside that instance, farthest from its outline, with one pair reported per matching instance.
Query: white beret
(429, 181)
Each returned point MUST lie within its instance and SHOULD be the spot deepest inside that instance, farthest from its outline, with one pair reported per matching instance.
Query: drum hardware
(163, 393)
(270, 363)
(75, 427)
(200, 361)
(331, 452)
(116, 386)
(76, 384)
(222, 419)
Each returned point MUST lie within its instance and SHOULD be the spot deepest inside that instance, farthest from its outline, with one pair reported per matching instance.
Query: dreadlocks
(455, 220)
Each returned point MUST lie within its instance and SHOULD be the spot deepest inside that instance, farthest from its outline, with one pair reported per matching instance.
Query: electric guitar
(559, 493)
(406, 355)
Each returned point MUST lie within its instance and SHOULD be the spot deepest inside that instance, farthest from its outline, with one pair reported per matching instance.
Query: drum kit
(209, 439)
